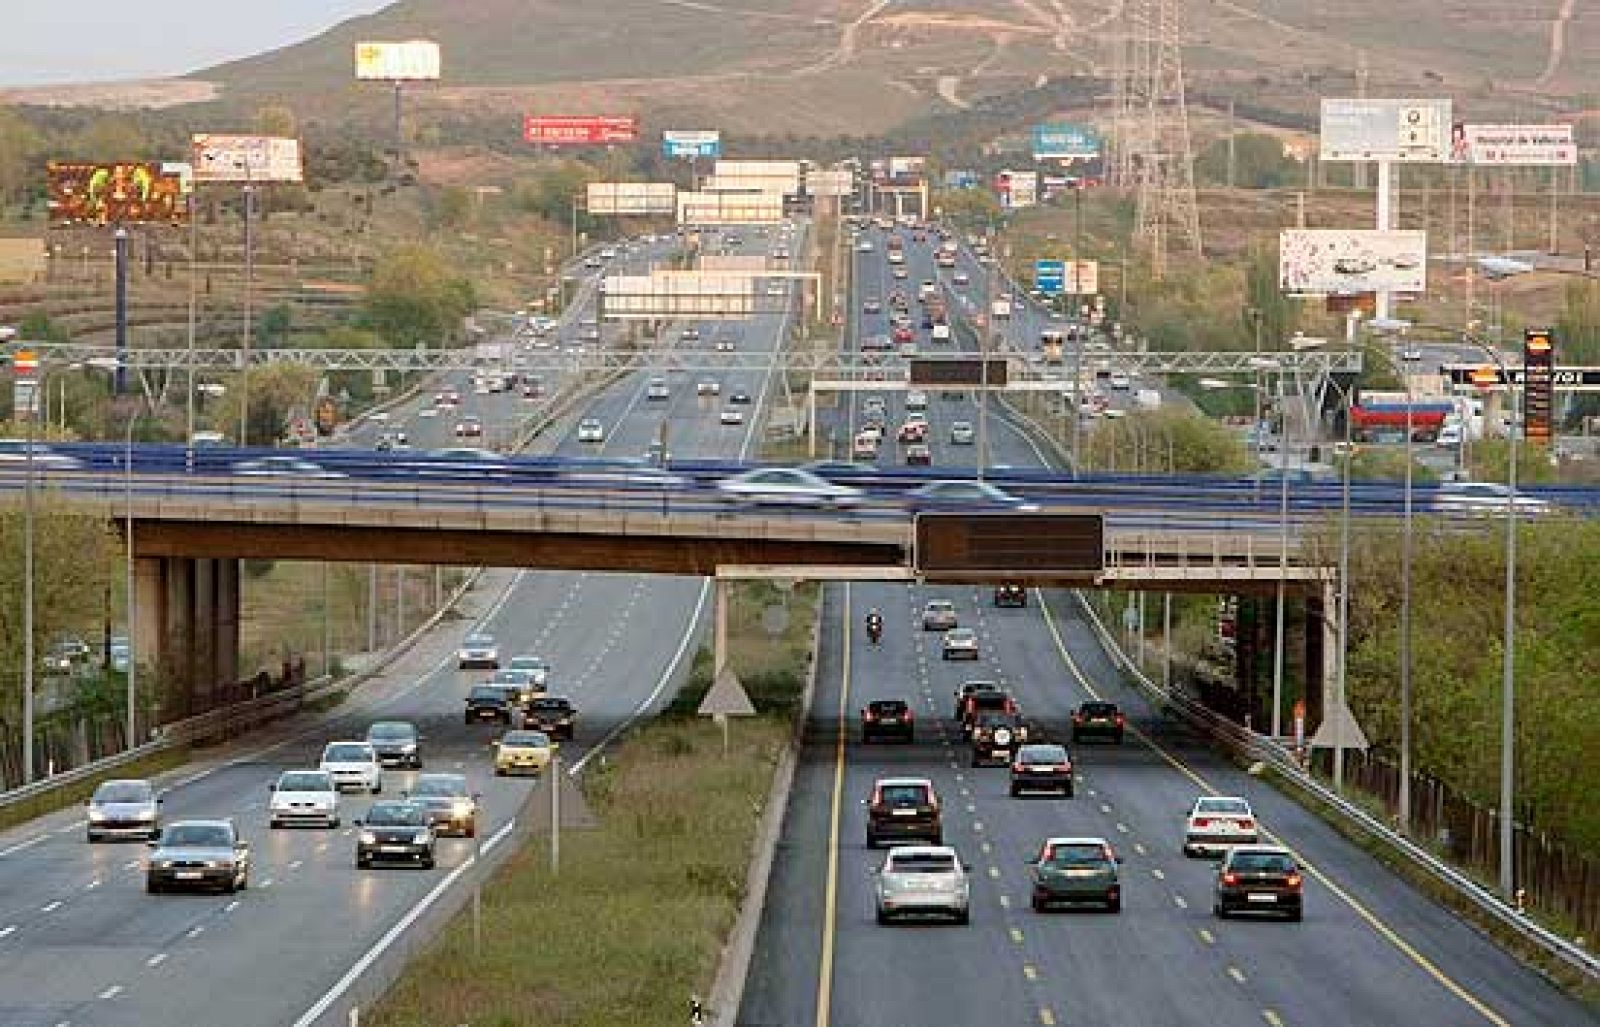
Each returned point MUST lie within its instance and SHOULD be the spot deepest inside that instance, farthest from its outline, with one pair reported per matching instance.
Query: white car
(923, 880)
(960, 278)
(708, 389)
(959, 644)
(787, 486)
(916, 399)
(864, 246)
(304, 797)
(657, 389)
(1485, 499)
(591, 430)
(353, 765)
(538, 668)
(478, 650)
(1119, 381)
(733, 416)
(961, 433)
(1217, 823)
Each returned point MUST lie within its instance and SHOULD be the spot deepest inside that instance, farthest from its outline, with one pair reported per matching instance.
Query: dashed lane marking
(8, 930)
(1047, 1017)
(156, 960)
(1236, 973)
(50, 907)
(1272, 1018)
(1180, 902)
(1030, 971)
(1158, 873)
(1207, 937)
(111, 992)
(1016, 934)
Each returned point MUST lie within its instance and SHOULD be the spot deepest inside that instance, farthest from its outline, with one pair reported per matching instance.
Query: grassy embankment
(635, 921)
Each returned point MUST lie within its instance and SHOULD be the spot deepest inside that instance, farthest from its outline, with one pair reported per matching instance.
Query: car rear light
(1077, 718)
(1293, 881)
(1230, 878)
(1065, 768)
(1246, 824)
(907, 714)
(868, 715)
(1201, 822)
(1119, 720)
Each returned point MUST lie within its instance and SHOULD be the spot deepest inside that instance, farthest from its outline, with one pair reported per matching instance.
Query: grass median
(635, 921)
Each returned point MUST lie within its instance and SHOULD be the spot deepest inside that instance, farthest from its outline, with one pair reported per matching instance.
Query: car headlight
(421, 837)
(409, 747)
(368, 838)
(462, 809)
(95, 814)
(212, 864)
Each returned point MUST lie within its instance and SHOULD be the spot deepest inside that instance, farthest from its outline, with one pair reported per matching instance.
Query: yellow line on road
(1382, 929)
(1047, 1017)
(831, 892)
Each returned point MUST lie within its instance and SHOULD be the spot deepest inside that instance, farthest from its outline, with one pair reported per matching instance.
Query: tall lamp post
(27, 591)
(132, 726)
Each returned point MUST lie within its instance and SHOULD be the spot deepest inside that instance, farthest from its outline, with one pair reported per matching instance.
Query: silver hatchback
(923, 880)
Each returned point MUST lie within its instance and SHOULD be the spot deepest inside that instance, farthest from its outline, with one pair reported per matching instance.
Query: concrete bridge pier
(186, 627)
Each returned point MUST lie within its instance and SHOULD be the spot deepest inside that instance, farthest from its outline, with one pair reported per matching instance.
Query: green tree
(1383, 463)
(20, 151)
(277, 120)
(276, 323)
(453, 208)
(1165, 439)
(274, 390)
(1259, 162)
(1278, 314)
(554, 189)
(968, 208)
(1490, 459)
(414, 299)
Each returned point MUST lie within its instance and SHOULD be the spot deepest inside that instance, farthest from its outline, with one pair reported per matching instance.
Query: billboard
(778, 176)
(1524, 145)
(750, 208)
(1538, 384)
(22, 260)
(1319, 260)
(117, 193)
(691, 144)
(563, 130)
(1017, 189)
(1074, 277)
(632, 198)
(1397, 130)
(237, 158)
(1064, 141)
(904, 169)
(837, 182)
(417, 60)
(674, 294)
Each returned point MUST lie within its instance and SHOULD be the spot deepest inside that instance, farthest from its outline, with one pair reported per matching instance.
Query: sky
(53, 41)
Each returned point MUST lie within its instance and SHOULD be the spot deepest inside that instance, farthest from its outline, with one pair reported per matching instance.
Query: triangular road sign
(726, 698)
(1339, 729)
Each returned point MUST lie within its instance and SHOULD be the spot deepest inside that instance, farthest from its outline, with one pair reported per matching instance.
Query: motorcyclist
(874, 626)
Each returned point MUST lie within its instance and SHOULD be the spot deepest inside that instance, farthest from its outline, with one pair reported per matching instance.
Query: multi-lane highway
(1371, 948)
(82, 943)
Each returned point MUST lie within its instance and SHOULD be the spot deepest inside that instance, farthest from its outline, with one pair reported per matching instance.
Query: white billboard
(675, 294)
(632, 198)
(831, 183)
(239, 158)
(710, 208)
(1527, 145)
(740, 184)
(773, 175)
(1319, 260)
(1081, 277)
(1018, 189)
(416, 60)
(1395, 130)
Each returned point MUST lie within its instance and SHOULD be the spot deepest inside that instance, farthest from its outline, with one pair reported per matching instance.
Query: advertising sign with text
(414, 61)
(240, 158)
(1063, 141)
(691, 144)
(1387, 130)
(563, 130)
(132, 192)
(632, 198)
(1513, 145)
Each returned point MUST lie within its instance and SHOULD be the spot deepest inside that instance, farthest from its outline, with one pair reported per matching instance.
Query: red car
(903, 333)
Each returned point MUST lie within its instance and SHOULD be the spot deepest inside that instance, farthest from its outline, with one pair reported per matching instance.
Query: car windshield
(348, 753)
(1262, 862)
(922, 863)
(555, 704)
(961, 635)
(1098, 709)
(479, 640)
(526, 740)
(209, 836)
(903, 795)
(487, 693)
(1075, 854)
(512, 677)
(941, 606)
(389, 730)
(441, 785)
(528, 663)
(1229, 806)
(123, 791)
(1043, 754)
(396, 814)
(887, 706)
(306, 781)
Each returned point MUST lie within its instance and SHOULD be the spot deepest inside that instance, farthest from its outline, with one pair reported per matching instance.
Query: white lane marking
(230, 907)
(1157, 873)
(1005, 902)
(23, 845)
(50, 907)
(156, 960)
(265, 884)
(1180, 902)
(196, 931)
(296, 864)
(111, 992)
(371, 956)
(132, 864)
(1236, 974)
(8, 930)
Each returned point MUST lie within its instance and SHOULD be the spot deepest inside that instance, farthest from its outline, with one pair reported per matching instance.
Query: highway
(81, 942)
(1371, 949)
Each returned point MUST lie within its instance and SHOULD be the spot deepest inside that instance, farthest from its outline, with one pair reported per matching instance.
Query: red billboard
(557, 130)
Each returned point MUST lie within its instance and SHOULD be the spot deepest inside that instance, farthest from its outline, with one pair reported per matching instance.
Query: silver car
(128, 808)
(960, 644)
(939, 615)
(787, 486)
(923, 880)
(961, 433)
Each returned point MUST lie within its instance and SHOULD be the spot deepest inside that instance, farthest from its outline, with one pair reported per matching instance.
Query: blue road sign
(1050, 276)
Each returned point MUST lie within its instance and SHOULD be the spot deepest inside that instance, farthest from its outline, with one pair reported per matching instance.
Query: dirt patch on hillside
(138, 93)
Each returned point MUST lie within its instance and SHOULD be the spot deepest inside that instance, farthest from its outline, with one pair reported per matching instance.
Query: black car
(967, 689)
(1010, 595)
(996, 737)
(1098, 718)
(199, 854)
(488, 702)
(395, 832)
(452, 807)
(396, 742)
(887, 718)
(983, 703)
(904, 808)
(1259, 879)
(553, 714)
(739, 399)
(1042, 768)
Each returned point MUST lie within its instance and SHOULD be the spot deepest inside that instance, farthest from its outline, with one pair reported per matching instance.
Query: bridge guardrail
(1274, 754)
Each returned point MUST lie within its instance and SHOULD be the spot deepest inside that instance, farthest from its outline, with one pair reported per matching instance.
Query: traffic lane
(1459, 952)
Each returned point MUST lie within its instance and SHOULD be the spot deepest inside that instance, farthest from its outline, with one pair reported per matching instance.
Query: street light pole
(1283, 562)
(1405, 628)
(133, 634)
(1344, 594)
(249, 286)
(1508, 671)
(27, 594)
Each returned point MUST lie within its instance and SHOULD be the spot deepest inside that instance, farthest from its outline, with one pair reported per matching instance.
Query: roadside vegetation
(634, 922)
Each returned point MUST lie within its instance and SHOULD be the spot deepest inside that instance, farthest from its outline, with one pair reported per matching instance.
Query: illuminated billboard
(1318, 260)
(691, 143)
(242, 158)
(133, 192)
(417, 60)
(564, 130)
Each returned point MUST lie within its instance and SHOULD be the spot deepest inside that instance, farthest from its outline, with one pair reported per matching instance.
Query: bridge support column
(149, 629)
(1321, 654)
(179, 626)
(225, 622)
(186, 626)
(719, 635)
(202, 647)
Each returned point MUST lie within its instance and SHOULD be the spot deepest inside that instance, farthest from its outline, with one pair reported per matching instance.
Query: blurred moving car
(1075, 870)
(124, 808)
(395, 832)
(198, 854)
(1486, 498)
(787, 486)
(959, 494)
(303, 796)
(923, 880)
(283, 467)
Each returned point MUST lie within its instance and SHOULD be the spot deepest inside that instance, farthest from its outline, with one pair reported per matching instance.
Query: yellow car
(523, 750)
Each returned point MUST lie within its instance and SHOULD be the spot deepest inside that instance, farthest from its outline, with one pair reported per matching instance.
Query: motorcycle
(874, 630)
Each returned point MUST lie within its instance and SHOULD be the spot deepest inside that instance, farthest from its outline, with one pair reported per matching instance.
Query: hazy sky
(54, 41)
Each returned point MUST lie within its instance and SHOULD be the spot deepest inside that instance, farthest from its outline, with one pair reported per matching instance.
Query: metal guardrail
(1278, 757)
